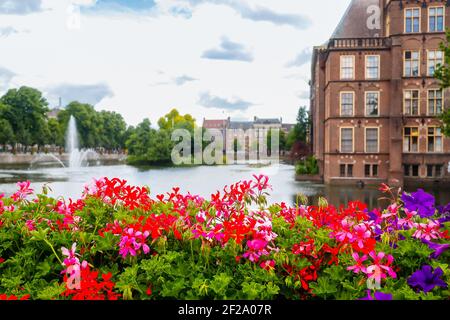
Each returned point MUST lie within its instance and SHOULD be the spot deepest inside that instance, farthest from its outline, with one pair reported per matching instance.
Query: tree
(26, 110)
(442, 73)
(112, 129)
(139, 140)
(6, 133)
(173, 120)
(300, 130)
(147, 146)
(56, 135)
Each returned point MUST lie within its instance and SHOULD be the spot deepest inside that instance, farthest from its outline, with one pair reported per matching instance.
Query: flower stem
(53, 249)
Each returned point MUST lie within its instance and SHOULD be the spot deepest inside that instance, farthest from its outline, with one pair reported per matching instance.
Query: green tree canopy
(300, 130)
(174, 120)
(443, 74)
(26, 111)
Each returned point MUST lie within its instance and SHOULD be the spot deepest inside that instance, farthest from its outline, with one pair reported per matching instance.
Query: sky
(211, 58)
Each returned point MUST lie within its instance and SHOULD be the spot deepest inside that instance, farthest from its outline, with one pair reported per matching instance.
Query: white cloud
(20, 7)
(7, 31)
(131, 52)
(5, 78)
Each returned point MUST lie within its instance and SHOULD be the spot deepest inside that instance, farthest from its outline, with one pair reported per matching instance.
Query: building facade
(374, 100)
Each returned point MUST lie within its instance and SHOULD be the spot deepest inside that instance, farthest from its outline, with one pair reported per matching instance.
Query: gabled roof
(215, 124)
(356, 21)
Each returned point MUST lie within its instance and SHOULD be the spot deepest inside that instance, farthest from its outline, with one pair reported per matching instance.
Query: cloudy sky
(210, 58)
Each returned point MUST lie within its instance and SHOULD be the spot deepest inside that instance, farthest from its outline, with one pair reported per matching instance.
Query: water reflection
(197, 180)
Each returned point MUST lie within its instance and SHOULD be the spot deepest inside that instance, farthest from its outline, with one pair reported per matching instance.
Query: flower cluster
(232, 245)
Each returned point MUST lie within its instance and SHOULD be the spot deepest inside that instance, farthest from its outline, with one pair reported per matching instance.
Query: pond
(202, 180)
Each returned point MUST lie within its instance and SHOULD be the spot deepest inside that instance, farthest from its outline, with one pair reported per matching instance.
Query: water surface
(202, 180)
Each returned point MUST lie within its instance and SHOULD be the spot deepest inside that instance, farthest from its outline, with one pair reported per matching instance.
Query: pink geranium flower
(428, 231)
(381, 266)
(23, 192)
(359, 266)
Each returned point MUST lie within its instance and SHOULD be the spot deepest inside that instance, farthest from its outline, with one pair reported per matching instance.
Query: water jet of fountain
(76, 156)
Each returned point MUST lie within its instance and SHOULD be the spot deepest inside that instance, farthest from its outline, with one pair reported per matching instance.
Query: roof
(356, 21)
(288, 126)
(241, 125)
(267, 121)
(215, 124)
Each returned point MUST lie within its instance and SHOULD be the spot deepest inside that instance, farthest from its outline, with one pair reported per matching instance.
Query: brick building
(374, 100)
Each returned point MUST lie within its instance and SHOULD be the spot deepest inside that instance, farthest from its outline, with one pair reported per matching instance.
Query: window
(411, 170)
(434, 102)
(371, 140)
(347, 67)
(410, 139)
(371, 170)
(430, 169)
(342, 169)
(347, 101)
(434, 170)
(411, 64)
(435, 58)
(436, 19)
(349, 170)
(412, 20)
(372, 67)
(346, 170)
(346, 140)
(438, 170)
(372, 102)
(375, 170)
(434, 139)
(411, 102)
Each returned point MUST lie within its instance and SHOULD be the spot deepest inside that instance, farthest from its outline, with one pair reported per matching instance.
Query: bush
(307, 166)
(118, 243)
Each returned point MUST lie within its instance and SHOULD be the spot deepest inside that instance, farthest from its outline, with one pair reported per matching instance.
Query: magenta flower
(132, 241)
(30, 225)
(360, 234)
(71, 255)
(23, 192)
(257, 248)
(359, 266)
(426, 279)
(380, 267)
(345, 232)
(408, 221)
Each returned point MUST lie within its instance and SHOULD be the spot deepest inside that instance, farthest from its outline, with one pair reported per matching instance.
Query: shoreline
(29, 159)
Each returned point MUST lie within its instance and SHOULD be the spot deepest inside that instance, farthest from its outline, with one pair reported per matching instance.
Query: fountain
(43, 159)
(77, 158)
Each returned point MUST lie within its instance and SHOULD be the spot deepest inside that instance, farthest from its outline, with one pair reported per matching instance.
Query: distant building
(53, 114)
(374, 100)
(287, 127)
(257, 123)
(260, 123)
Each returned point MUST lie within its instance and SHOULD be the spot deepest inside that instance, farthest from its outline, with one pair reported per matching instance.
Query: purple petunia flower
(444, 211)
(438, 248)
(378, 296)
(426, 279)
(421, 202)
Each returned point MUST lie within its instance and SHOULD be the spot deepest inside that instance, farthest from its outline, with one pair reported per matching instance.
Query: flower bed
(117, 242)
